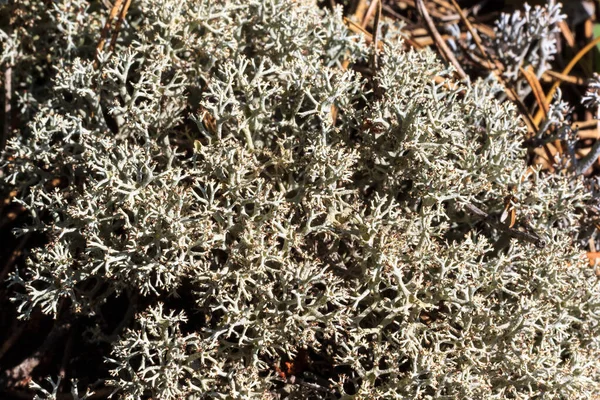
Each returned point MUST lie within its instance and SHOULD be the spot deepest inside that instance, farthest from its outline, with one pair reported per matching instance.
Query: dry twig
(440, 43)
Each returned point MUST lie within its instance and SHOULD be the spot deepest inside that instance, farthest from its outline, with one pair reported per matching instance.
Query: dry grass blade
(557, 76)
(538, 92)
(567, 34)
(589, 134)
(584, 124)
(566, 71)
(543, 105)
(532, 127)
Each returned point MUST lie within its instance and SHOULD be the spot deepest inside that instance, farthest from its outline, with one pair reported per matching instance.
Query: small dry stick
(119, 11)
(374, 60)
(473, 32)
(529, 237)
(103, 35)
(376, 36)
(122, 14)
(7, 107)
(441, 44)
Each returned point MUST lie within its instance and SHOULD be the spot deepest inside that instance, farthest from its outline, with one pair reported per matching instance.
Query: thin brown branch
(104, 34)
(122, 15)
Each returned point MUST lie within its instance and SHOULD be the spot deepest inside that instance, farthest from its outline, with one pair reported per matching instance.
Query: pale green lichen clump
(289, 234)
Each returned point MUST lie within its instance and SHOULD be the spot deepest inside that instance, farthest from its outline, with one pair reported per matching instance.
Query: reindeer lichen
(292, 227)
